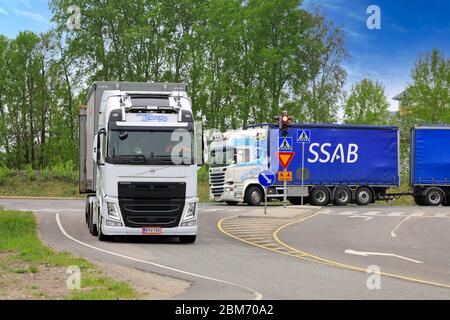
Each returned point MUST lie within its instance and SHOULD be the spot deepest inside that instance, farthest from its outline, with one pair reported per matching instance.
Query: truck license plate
(151, 230)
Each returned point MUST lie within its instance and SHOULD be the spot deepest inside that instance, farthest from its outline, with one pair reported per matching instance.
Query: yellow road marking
(314, 258)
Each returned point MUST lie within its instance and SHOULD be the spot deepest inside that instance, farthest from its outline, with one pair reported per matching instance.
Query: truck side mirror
(96, 152)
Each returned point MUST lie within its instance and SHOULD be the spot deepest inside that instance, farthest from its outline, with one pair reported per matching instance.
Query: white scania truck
(139, 160)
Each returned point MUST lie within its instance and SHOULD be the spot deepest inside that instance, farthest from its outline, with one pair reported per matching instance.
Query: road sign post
(303, 136)
(266, 179)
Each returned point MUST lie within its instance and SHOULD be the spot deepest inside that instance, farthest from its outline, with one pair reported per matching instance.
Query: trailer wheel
(363, 196)
(342, 196)
(434, 197)
(419, 200)
(254, 195)
(187, 239)
(320, 196)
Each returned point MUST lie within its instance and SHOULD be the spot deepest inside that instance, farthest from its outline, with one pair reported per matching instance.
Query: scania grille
(151, 204)
(217, 178)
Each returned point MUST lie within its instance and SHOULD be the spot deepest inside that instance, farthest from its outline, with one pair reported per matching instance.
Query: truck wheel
(434, 197)
(231, 203)
(187, 239)
(254, 196)
(100, 235)
(342, 196)
(419, 200)
(363, 196)
(320, 196)
(92, 226)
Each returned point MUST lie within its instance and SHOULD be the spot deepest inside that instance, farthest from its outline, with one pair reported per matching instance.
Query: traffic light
(284, 121)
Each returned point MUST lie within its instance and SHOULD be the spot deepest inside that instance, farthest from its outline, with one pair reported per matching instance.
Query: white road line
(371, 213)
(366, 254)
(395, 214)
(418, 214)
(393, 234)
(210, 210)
(348, 212)
(258, 295)
(441, 215)
(48, 210)
(234, 210)
(361, 216)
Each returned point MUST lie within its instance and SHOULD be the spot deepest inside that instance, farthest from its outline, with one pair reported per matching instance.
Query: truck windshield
(222, 157)
(150, 147)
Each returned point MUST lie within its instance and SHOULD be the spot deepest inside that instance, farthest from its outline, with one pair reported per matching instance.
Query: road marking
(211, 210)
(418, 214)
(395, 214)
(347, 213)
(366, 254)
(298, 254)
(332, 263)
(258, 295)
(393, 234)
(47, 210)
(365, 218)
(234, 210)
(440, 215)
(371, 213)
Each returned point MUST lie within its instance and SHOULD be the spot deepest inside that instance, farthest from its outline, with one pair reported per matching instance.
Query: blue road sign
(266, 178)
(303, 136)
(285, 144)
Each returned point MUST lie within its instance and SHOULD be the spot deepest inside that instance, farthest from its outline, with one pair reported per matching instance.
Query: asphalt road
(221, 267)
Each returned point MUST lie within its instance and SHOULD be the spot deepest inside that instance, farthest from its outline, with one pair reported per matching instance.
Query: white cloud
(32, 15)
(3, 11)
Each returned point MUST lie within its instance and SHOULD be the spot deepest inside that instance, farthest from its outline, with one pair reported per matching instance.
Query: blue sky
(408, 28)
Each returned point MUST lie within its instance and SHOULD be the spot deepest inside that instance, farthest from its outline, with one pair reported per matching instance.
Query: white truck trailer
(139, 160)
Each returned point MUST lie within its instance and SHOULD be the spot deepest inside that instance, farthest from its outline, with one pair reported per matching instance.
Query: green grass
(38, 184)
(18, 235)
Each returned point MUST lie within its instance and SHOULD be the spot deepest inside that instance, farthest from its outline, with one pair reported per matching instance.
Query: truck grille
(217, 181)
(144, 204)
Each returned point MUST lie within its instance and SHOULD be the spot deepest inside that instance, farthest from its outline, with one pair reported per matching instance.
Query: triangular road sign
(285, 158)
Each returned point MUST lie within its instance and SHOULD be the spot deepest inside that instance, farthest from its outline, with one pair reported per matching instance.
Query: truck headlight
(190, 213)
(112, 211)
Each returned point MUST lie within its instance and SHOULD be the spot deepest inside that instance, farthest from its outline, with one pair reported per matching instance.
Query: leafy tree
(367, 104)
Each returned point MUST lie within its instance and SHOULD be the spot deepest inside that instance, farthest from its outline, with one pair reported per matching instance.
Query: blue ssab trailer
(338, 164)
(430, 164)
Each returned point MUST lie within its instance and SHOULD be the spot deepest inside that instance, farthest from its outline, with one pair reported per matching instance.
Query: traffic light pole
(285, 191)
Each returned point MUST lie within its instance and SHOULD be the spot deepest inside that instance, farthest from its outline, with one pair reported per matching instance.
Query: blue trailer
(430, 164)
(338, 164)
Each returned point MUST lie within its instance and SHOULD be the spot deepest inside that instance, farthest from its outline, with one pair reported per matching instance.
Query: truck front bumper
(125, 231)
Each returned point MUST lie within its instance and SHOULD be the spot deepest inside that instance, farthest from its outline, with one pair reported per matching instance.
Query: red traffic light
(285, 119)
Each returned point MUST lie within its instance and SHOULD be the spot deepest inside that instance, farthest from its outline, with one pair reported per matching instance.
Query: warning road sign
(285, 144)
(304, 136)
(284, 175)
(285, 158)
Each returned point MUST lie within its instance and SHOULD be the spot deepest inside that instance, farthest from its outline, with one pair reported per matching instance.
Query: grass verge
(31, 270)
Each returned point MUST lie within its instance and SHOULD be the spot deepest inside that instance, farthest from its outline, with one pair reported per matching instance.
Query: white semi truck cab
(236, 159)
(139, 159)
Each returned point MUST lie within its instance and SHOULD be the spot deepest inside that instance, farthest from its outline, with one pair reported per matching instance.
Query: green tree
(367, 104)
(427, 99)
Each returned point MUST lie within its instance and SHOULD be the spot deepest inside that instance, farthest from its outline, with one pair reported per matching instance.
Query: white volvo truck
(139, 160)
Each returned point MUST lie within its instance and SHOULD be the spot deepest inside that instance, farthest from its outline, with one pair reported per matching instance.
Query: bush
(29, 172)
(4, 175)
(64, 172)
(46, 174)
